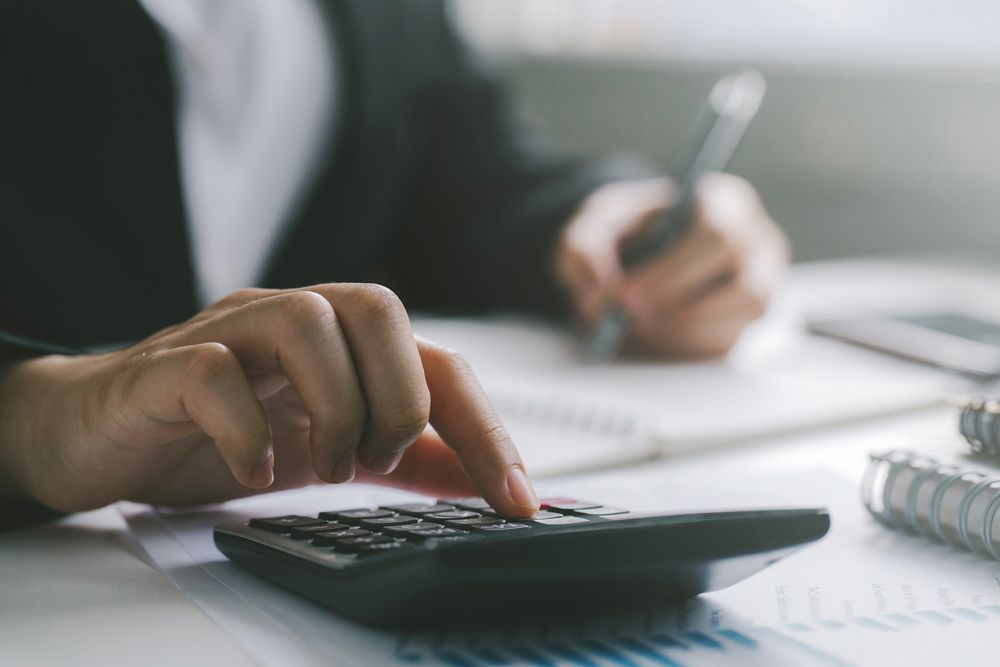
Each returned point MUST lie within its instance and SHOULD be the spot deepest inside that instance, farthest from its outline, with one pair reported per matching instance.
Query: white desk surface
(81, 590)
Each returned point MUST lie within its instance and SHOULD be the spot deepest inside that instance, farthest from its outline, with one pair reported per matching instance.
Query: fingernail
(520, 489)
(343, 470)
(262, 476)
(383, 464)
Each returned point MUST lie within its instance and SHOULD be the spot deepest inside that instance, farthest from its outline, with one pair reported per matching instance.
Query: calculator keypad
(472, 522)
(381, 522)
(451, 515)
(364, 532)
(356, 516)
(499, 527)
(561, 521)
(419, 509)
(284, 524)
(328, 539)
(308, 532)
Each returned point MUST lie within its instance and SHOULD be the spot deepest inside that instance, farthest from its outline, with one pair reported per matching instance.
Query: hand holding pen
(677, 270)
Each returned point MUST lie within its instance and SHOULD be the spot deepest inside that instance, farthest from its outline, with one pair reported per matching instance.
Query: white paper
(567, 415)
(864, 595)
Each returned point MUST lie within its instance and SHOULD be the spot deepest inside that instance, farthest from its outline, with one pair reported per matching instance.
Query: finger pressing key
(462, 414)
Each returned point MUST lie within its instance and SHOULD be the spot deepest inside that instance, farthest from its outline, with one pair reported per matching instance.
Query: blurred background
(880, 132)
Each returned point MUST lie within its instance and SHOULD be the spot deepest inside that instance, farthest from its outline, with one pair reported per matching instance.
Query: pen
(731, 105)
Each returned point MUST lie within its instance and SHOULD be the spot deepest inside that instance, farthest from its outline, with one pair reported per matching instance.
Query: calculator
(414, 565)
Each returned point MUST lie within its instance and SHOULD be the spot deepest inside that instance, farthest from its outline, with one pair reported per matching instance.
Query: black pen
(733, 102)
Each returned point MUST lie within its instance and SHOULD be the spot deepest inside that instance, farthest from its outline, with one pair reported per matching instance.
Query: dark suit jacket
(434, 188)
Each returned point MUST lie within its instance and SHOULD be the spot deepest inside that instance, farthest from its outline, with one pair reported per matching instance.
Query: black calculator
(413, 565)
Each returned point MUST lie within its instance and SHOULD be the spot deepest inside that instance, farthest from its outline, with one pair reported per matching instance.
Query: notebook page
(778, 379)
(561, 431)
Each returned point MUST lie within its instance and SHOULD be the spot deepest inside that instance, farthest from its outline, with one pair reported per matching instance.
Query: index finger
(463, 416)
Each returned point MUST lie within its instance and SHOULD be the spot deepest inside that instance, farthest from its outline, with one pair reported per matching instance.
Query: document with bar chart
(863, 595)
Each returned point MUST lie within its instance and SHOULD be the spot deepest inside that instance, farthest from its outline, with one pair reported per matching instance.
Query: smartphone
(951, 340)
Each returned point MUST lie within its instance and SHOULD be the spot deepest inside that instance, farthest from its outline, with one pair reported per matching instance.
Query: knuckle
(492, 429)
(307, 310)
(372, 299)
(408, 421)
(208, 361)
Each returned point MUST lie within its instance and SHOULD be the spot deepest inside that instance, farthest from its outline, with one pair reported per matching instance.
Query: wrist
(29, 427)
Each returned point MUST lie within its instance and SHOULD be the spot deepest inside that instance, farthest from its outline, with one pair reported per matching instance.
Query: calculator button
(474, 504)
(499, 527)
(380, 522)
(381, 548)
(545, 514)
(284, 524)
(351, 545)
(601, 511)
(567, 505)
(433, 533)
(406, 529)
(306, 532)
(451, 514)
(354, 516)
(330, 538)
(477, 521)
(418, 509)
(562, 521)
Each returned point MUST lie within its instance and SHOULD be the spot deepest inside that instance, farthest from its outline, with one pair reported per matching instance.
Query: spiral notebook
(946, 502)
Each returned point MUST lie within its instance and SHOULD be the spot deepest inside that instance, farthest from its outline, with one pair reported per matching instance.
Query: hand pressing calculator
(414, 564)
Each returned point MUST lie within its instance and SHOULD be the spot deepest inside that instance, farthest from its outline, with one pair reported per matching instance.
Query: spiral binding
(943, 502)
(979, 424)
